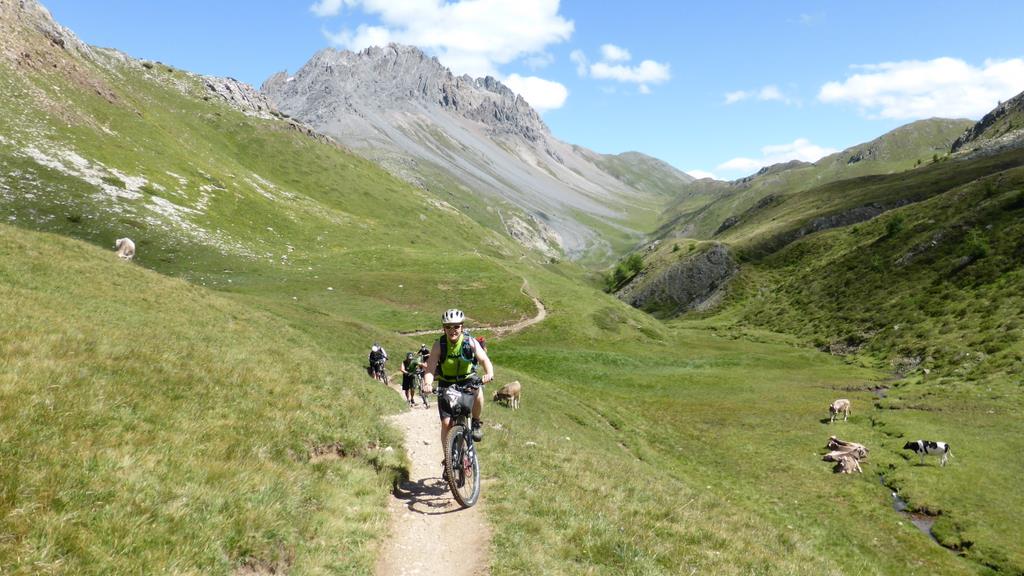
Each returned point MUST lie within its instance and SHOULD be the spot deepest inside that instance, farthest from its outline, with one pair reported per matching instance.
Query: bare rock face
(539, 236)
(1000, 129)
(689, 284)
(392, 77)
(32, 14)
(240, 95)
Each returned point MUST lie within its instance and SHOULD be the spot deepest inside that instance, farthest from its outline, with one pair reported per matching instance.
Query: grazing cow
(841, 405)
(510, 393)
(125, 248)
(928, 447)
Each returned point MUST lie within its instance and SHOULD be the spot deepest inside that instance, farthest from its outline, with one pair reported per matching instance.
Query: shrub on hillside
(624, 272)
(894, 225)
(976, 245)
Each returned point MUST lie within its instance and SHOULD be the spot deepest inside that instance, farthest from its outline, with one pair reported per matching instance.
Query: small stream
(923, 522)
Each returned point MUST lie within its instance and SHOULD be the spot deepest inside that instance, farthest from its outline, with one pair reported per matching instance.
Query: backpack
(467, 349)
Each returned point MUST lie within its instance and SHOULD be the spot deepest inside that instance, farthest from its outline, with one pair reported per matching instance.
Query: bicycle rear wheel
(461, 467)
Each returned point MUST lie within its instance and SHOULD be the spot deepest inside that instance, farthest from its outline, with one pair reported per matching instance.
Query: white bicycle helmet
(453, 316)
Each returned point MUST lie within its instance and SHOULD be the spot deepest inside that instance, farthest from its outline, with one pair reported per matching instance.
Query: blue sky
(715, 88)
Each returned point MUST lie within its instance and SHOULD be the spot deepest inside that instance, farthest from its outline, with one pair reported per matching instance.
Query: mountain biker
(456, 366)
(378, 357)
(410, 367)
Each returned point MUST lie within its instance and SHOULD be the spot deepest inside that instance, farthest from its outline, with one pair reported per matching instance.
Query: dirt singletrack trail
(499, 329)
(430, 532)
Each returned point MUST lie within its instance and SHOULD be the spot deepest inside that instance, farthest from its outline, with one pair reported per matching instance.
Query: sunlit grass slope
(152, 426)
(646, 450)
(704, 206)
(236, 202)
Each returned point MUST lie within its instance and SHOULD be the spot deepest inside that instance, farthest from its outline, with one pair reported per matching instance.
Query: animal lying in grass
(125, 248)
(510, 393)
(927, 447)
(846, 455)
(841, 405)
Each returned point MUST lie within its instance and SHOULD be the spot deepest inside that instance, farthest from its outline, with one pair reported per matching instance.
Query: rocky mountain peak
(396, 77)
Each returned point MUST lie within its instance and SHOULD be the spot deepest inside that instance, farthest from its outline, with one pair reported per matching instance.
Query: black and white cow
(927, 447)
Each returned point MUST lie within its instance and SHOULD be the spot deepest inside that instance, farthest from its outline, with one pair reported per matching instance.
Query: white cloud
(648, 72)
(543, 95)
(610, 68)
(799, 149)
(945, 87)
(698, 174)
(580, 59)
(325, 8)
(734, 97)
(613, 53)
(469, 36)
(770, 92)
(765, 93)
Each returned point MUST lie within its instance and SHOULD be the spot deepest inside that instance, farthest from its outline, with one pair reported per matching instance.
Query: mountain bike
(419, 388)
(461, 466)
(379, 373)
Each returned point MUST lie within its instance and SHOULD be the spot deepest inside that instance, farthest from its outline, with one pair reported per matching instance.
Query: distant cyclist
(411, 370)
(453, 359)
(378, 357)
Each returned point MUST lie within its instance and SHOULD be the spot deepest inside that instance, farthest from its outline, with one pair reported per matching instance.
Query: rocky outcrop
(827, 222)
(34, 15)
(982, 130)
(538, 236)
(689, 284)
(240, 96)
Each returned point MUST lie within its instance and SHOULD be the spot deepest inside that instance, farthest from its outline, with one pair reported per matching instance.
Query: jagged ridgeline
(477, 145)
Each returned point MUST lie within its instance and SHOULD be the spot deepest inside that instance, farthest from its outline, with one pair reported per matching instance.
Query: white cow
(841, 405)
(125, 248)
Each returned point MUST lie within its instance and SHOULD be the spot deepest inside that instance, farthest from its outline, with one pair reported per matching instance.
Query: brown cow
(510, 393)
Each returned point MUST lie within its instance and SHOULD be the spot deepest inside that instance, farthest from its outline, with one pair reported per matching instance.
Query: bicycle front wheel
(461, 467)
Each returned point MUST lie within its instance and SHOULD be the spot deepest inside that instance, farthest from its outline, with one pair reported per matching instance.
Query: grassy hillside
(704, 208)
(236, 202)
(151, 426)
(928, 291)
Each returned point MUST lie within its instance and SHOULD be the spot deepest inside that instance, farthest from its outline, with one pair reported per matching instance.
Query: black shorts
(408, 381)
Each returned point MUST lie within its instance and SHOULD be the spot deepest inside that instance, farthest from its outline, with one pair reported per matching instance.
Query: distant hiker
(125, 248)
(411, 370)
(453, 359)
(424, 353)
(378, 357)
